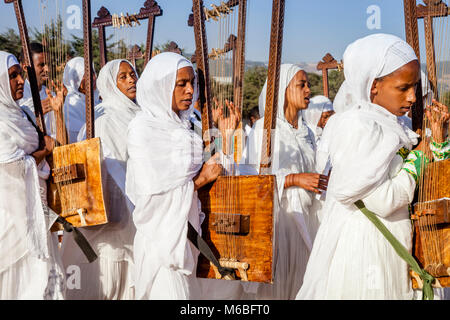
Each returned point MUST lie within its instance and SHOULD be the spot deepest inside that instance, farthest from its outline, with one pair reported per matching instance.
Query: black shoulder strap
(40, 134)
(204, 248)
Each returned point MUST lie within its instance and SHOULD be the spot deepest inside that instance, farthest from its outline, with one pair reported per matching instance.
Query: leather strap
(79, 239)
(204, 248)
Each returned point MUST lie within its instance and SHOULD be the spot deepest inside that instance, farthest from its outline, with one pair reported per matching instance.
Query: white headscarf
(382, 134)
(293, 150)
(25, 139)
(389, 54)
(287, 73)
(75, 102)
(115, 111)
(176, 151)
(18, 140)
(312, 115)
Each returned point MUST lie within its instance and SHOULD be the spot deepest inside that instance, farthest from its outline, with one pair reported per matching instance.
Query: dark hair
(35, 48)
(254, 112)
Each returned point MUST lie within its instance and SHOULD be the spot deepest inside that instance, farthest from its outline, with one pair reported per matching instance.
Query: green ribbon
(427, 289)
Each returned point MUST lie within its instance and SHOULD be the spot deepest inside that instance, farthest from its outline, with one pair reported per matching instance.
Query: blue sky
(311, 29)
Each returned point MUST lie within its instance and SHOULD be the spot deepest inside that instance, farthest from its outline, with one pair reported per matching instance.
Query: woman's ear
(374, 89)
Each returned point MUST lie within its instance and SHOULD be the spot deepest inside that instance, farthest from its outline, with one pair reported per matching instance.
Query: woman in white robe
(75, 102)
(320, 109)
(293, 165)
(110, 276)
(351, 259)
(29, 267)
(164, 170)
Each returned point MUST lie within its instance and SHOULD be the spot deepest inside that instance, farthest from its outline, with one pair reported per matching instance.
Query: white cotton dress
(110, 276)
(30, 267)
(294, 224)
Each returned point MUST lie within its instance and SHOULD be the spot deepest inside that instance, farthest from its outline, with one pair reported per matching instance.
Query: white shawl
(114, 240)
(176, 152)
(370, 154)
(21, 209)
(293, 149)
(164, 157)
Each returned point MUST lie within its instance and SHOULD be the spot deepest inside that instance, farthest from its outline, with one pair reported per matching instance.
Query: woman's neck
(291, 115)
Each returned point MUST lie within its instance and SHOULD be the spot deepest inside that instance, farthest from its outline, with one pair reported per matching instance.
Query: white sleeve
(391, 195)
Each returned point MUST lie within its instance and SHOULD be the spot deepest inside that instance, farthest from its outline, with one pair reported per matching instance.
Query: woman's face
(324, 118)
(126, 80)
(184, 90)
(298, 91)
(396, 92)
(16, 82)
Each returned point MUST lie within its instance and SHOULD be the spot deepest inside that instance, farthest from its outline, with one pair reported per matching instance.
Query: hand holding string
(438, 116)
(227, 123)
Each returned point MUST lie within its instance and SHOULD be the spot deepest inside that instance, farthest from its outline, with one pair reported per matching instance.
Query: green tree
(77, 45)
(10, 42)
(254, 79)
(335, 80)
(316, 84)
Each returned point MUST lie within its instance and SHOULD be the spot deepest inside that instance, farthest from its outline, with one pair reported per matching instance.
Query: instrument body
(78, 173)
(431, 241)
(239, 210)
(240, 229)
(431, 245)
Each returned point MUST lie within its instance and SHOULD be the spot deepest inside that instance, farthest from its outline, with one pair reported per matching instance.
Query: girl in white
(351, 259)
(29, 267)
(320, 109)
(164, 171)
(110, 276)
(293, 165)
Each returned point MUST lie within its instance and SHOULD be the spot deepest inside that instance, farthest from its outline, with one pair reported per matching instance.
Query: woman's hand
(209, 172)
(56, 102)
(40, 154)
(438, 116)
(227, 125)
(314, 182)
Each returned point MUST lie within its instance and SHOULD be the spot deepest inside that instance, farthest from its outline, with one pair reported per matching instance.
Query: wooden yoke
(31, 72)
(328, 63)
(149, 11)
(273, 82)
